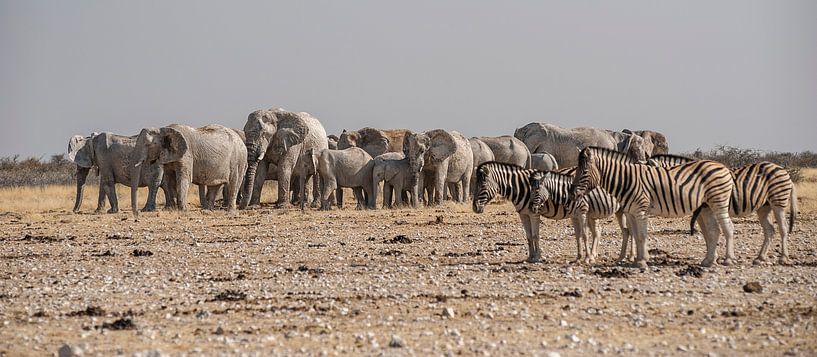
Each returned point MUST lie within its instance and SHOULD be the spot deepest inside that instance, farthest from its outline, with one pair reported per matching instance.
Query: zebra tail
(692, 230)
(792, 208)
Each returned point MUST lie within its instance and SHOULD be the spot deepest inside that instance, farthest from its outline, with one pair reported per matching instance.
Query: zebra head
(487, 187)
(587, 175)
(539, 191)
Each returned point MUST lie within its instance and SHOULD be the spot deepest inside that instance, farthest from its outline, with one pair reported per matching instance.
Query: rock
(753, 287)
(449, 312)
(396, 342)
(149, 353)
(219, 331)
(553, 354)
(69, 351)
(562, 323)
(573, 338)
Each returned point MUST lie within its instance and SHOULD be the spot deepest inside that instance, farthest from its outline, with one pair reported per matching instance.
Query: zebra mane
(671, 156)
(493, 163)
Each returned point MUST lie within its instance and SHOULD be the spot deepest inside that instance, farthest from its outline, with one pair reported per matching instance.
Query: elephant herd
(312, 167)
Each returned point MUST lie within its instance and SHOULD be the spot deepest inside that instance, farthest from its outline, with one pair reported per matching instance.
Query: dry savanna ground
(429, 281)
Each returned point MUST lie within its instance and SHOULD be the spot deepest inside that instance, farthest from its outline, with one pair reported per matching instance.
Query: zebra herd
(608, 182)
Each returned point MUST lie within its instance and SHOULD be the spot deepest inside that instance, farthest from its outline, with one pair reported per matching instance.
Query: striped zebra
(551, 198)
(763, 187)
(516, 184)
(644, 190)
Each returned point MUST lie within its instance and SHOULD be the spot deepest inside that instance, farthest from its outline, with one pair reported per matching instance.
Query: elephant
(564, 143)
(375, 141)
(110, 154)
(280, 137)
(351, 167)
(543, 162)
(508, 149)
(332, 141)
(482, 153)
(444, 157)
(656, 139)
(211, 156)
(394, 169)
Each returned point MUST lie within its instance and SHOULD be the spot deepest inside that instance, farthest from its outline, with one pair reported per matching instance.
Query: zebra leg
(709, 229)
(768, 232)
(625, 238)
(639, 226)
(526, 224)
(780, 216)
(578, 231)
(728, 229)
(535, 220)
(594, 233)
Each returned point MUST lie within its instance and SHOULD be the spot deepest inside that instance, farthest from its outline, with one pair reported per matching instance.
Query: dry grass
(807, 190)
(55, 198)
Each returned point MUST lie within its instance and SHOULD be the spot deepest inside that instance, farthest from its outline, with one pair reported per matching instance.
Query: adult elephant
(445, 157)
(374, 141)
(278, 136)
(564, 143)
(508, 149)
(654, 138)
(482, 153)
(211, 156)
(110, 154)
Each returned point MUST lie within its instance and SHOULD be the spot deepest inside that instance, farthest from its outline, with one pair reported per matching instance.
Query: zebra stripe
(644, 190)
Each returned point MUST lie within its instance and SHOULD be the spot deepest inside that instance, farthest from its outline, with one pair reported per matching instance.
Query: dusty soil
(428, 281)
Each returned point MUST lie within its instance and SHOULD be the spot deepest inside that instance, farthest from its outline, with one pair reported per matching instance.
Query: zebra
(516, 184)
(762, 187)
(552, 200)
(644, 190)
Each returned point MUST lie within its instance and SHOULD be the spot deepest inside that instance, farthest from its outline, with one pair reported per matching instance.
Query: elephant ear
(174, 145)
(373, 141)
(80, 151)
(292, 136)
(442, 145)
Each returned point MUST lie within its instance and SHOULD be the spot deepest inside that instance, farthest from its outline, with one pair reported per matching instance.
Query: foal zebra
(526, 188)
(551, 197)
(762, 187)
(644, 190)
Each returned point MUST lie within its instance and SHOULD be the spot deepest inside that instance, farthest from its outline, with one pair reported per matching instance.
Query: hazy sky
(703, 72)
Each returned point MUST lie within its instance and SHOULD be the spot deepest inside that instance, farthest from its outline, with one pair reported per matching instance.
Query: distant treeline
(58, 170)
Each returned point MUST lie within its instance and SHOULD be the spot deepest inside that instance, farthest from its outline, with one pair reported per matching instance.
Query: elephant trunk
(249, 182)
(136, 171)
(82, 175)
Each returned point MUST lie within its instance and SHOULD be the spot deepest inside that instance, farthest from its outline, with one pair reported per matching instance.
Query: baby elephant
(395, 170)
(350, 167)
(543, 162)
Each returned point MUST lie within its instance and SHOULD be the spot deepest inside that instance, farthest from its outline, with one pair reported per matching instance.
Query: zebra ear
(483, 170)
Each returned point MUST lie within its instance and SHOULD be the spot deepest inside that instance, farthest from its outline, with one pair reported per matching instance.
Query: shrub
(736, 157)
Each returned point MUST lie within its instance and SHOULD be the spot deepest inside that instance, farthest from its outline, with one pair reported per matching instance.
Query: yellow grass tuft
(807, 190)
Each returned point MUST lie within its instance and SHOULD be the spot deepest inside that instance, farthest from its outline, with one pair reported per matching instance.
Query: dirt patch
(691, 270)
(89, 311)
(612, 273)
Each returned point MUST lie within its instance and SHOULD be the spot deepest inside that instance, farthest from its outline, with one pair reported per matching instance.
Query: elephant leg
(339, 194)
(387, 192)
(212, 192)
(284, 181)
(359, 197)
(316, 189)
(150, 204)
(172, 195)
(111, 192)
(466, 188)
(202, 196)
(100, 204)
(182, 186)
(439, 188)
